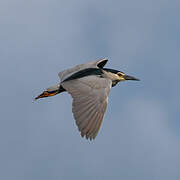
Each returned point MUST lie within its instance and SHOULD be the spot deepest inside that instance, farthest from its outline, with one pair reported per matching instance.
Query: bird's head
(117, 76)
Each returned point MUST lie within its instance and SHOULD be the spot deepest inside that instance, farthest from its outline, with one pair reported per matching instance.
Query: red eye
(119, 74)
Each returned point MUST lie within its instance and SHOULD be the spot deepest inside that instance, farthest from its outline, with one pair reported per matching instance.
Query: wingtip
(102, 63)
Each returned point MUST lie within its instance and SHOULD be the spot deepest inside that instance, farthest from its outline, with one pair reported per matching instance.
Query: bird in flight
(89, 85)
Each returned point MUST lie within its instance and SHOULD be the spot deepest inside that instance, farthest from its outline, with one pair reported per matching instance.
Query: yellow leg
(47, 94)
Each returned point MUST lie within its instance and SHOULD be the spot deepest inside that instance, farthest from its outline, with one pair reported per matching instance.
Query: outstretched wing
(90, 98)
(93, 64)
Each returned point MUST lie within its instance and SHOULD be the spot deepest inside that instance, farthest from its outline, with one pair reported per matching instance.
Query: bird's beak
(127, 77)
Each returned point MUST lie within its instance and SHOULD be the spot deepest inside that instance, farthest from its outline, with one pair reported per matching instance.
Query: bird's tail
(51, 91)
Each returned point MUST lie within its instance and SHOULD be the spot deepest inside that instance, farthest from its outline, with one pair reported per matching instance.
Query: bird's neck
(114, 83)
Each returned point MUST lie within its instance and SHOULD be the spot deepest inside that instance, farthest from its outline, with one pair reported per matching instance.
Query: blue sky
(140, 137)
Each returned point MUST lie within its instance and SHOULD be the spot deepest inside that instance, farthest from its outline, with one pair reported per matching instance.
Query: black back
(84, 72)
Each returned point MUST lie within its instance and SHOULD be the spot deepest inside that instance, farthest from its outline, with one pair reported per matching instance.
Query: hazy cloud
(139, 138)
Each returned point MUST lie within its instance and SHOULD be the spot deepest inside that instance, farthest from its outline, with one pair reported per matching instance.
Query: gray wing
(90, 98)
(93, 64)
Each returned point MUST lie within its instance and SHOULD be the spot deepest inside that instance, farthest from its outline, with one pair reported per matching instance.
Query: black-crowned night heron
(89, 85)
